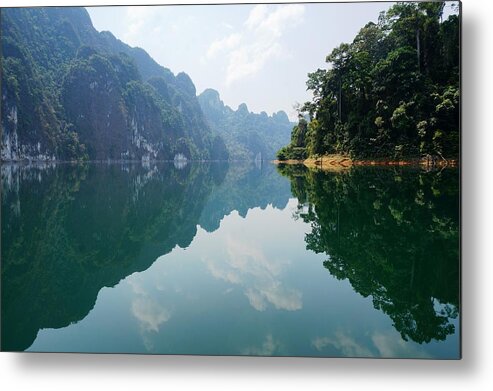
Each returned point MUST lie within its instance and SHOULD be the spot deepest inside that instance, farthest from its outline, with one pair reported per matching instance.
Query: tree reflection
(394, 234)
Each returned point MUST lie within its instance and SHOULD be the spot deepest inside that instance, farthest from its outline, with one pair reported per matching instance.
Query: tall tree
(392, 93)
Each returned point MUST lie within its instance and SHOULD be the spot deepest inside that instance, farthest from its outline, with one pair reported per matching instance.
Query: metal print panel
(257, 179)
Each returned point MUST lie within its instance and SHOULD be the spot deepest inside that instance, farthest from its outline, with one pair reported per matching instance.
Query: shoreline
(342, 162)
(110, 161)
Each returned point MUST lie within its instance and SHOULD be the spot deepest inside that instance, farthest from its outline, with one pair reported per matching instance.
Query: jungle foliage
(391, 93)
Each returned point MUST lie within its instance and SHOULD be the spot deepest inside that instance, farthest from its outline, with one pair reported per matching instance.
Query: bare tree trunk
(340, 100)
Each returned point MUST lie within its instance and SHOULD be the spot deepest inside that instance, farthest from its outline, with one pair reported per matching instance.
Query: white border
(474, 372)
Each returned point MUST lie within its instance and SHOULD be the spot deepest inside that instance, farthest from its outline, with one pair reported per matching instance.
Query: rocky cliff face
(69, 92)
(247, 135)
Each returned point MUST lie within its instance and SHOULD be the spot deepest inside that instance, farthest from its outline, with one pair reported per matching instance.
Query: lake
(230, 259)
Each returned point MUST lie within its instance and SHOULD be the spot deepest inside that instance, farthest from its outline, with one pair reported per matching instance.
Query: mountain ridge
(70, 92)
(248, 135)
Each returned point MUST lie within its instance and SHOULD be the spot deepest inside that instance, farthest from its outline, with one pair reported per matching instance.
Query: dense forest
(392, 93)
(247, 135)
(70, 92)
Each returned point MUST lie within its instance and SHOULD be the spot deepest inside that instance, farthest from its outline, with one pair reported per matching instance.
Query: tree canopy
(392, 93)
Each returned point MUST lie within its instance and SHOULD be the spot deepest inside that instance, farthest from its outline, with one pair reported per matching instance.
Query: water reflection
(394, 235)
(69, 230)
(241, 259)
(218, 259)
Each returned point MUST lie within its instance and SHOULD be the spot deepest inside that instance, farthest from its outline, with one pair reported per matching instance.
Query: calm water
(236, 259)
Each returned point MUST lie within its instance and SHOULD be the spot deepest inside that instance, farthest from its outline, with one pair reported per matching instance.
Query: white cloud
(248, 60)
(137, 18)
(225, 43)
(257, 14)
(278, 21)
(145, 24)
(260, 41)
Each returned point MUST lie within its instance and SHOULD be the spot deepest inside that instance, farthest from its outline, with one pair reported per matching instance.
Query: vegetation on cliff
(247, 135)
(70, 92)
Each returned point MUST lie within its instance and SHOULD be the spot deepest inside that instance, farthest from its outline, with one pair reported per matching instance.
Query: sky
(254, 54)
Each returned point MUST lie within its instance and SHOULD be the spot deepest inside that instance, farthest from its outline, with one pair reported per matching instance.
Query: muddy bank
(342, 162)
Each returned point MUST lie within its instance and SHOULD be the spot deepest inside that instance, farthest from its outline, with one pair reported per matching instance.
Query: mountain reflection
(70, 230)
(394, 235)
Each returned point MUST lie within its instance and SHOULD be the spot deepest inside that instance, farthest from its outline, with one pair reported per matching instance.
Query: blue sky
(256, 54)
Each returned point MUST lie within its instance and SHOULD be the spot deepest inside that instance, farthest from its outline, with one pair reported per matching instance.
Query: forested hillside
(392, 93)
(247, 135)
(70, 92)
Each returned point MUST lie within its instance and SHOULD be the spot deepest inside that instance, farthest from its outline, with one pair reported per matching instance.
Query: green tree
(393, 92)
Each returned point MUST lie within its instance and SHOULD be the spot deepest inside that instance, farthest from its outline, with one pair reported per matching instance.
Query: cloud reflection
(242, 262)
(387, 344)
(344, 344)
(149, 313)
(268, 348)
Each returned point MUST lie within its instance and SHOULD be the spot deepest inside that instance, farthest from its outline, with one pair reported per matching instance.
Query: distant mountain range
(70, 92)
(247, 135)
